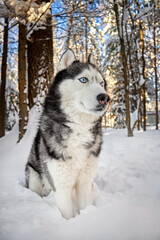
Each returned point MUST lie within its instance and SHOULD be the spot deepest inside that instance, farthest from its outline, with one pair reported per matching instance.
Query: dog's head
(81, 85)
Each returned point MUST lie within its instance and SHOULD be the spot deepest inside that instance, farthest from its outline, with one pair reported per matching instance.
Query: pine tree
(155, 64)
(40, 60)
(3, 80)
(23, 112)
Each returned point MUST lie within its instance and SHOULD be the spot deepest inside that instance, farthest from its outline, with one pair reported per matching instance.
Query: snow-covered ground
(126, 193)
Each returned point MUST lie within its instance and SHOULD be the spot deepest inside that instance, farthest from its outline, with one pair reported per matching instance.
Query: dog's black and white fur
(64, 156)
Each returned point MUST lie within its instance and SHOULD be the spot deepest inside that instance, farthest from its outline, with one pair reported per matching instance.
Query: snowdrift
(126, 193)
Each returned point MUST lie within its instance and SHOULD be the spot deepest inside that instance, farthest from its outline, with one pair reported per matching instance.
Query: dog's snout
(103, 98)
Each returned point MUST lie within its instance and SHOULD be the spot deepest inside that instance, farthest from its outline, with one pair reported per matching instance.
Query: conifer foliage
(122, 34)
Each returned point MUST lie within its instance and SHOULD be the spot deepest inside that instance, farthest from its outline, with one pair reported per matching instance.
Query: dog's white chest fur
(77, 159)
(77, 143)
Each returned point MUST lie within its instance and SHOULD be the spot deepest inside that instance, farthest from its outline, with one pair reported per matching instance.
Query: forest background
(123, 35)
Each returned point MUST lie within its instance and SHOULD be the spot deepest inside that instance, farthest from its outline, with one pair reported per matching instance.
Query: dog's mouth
(100, 108)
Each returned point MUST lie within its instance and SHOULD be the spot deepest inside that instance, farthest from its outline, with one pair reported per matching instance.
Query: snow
(126, 15)
(30, 13)
(142, 80)
(109, 40)
(134, 117)
(126, 192)
(120, 28)
(143, 12)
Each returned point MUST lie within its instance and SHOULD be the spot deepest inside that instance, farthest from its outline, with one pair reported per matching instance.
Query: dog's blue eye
(83, 80)
(102, 84)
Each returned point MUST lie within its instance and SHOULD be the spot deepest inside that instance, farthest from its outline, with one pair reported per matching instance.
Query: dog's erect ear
(66, 59)
(91, 59)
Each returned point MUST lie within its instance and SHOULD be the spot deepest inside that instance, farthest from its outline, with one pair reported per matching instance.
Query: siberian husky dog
(64, 156)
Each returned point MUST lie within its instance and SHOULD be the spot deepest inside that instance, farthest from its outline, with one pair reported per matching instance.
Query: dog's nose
(103, 98)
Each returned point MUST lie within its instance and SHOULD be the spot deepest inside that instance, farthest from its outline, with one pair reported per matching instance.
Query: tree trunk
(143, 71)
(40, 63)
(86, 38)
(3, 80)
(67, 39)
(136, 85)
(155, 72)
(144, 106)
(125, 70)
(23, 113)
(126, 83)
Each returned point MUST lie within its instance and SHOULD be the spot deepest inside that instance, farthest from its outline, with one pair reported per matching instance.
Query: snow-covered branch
(4, 11)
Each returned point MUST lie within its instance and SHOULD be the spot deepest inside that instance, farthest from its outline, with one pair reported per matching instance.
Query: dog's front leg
(84, 186)
(84, 192)
(64, 202)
